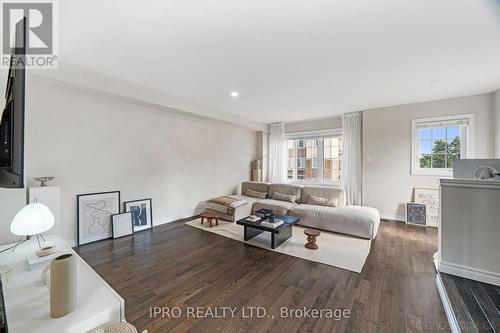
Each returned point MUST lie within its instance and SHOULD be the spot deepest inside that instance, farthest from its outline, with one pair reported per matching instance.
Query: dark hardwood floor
(179, 266)
(476, 305)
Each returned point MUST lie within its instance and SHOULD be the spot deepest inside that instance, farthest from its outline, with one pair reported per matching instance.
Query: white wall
(497, 124)
(11, 202)
(387, 182)
(92, 142)
(314, 125)
(103, 84)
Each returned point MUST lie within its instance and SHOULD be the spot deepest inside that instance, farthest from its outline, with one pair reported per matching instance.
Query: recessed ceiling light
(234, 94)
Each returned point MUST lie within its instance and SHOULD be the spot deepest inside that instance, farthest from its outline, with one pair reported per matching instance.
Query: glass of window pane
(452, 158)
(332, 159)
(438, 161)
(452, 133)
(424, 134)
(454, 147)
(327, 169)
(327, 151)
(425, 147)
(425, 161)
(335, 152)
(439, 133)
(439, 146)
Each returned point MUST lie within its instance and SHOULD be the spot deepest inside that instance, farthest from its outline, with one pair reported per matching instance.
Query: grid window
(317, 159)
(438, 143)
(332, 159)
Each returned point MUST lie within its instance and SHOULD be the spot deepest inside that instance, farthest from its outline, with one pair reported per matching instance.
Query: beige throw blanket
(225, 204)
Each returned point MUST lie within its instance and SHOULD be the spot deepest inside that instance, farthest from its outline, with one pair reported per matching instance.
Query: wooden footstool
(210, 217)
(311, 239)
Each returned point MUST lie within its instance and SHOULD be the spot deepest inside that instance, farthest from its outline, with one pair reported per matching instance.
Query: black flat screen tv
(12, 117)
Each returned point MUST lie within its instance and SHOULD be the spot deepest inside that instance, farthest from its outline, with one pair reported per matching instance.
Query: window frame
(466, 150)
(322, 134)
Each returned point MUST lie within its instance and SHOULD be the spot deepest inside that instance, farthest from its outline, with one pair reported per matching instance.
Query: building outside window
(315, 157)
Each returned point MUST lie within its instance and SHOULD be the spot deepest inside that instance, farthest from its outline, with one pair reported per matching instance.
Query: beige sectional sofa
(317, 207)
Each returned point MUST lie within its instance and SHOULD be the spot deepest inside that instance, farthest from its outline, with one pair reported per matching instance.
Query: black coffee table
(278, 235)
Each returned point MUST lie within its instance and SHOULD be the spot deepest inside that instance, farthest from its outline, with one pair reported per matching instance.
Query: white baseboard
(392, 217)
(470, 273)
(452, 320)
(177, 217)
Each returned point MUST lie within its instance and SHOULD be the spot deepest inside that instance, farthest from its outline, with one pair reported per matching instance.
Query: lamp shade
(33, 219)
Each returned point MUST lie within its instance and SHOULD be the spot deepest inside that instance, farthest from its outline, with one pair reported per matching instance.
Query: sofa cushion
(352, 220)
(278, 207)
(255, 194)
(250, 200)
(331, 193)
(284, 197)
(314, 200)
(288, 189)
(256, 186)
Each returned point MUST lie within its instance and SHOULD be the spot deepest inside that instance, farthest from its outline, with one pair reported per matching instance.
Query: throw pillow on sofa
(256, 194)
(284, 197)
(314, 200)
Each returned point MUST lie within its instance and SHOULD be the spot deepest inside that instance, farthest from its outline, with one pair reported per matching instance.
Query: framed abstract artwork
(430, 198)
(416, 214)
(142, 213)
(94, 212)
(122, 224)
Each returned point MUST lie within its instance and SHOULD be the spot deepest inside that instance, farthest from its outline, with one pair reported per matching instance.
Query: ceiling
(289, 60)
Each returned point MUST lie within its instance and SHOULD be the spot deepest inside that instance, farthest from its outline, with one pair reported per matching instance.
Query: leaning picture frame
(94, 211)
(142, 213)
(122, 224)
(416, 214)
(430, 198)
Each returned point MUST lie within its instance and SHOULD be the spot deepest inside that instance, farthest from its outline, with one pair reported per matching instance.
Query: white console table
(27, 300)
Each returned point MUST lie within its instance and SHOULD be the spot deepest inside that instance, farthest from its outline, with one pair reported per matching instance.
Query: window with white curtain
(314, 156)
(438, 142)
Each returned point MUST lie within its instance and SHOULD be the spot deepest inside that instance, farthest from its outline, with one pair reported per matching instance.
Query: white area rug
(334, 249)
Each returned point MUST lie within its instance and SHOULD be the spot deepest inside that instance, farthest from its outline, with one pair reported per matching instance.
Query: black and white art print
(142, 213)
(94, 212)
(416, 214)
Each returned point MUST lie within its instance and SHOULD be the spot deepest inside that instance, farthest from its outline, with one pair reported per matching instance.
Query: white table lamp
(32, 220)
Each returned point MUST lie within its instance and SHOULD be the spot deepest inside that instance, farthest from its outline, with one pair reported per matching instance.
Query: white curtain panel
(351, 164)
(277, 153)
